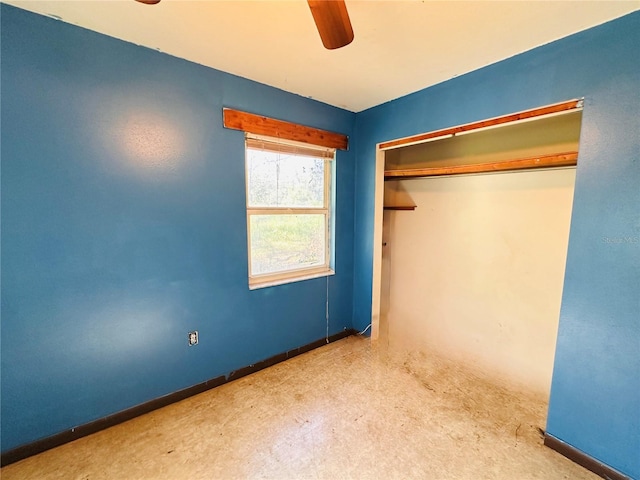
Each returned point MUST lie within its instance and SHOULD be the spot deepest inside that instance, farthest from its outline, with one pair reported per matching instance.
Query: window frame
(328, 154)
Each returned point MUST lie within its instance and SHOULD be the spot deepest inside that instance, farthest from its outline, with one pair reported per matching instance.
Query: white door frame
(377, 244)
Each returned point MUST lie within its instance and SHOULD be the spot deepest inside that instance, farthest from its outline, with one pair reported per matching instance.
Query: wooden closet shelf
(399, 207)
(566, 159)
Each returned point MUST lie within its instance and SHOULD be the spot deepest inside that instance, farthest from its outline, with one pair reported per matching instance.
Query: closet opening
(471, 234)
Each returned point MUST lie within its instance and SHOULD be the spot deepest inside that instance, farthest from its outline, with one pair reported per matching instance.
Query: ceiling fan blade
(333, 22)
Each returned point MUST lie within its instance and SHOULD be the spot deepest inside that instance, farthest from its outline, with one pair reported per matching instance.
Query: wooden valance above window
(261, 125)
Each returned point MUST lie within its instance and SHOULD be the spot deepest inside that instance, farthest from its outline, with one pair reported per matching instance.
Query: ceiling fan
(331, 17)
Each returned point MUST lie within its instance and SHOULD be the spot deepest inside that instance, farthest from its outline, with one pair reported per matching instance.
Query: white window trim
(294, 275)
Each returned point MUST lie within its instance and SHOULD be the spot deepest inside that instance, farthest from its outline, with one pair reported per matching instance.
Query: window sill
(256, 284)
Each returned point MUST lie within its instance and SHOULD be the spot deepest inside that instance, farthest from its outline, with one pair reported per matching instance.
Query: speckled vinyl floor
(343, 411)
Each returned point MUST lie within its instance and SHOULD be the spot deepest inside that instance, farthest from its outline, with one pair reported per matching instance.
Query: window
(289, 207)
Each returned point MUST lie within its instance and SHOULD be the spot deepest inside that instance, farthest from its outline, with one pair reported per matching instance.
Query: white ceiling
(400, 46)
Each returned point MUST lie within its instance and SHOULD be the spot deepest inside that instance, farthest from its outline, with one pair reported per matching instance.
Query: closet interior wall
(475, 272)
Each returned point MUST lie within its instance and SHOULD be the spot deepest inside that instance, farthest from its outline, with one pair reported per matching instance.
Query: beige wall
(476, 271)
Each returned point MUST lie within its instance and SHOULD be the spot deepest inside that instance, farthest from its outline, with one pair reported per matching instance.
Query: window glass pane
(284, 180)
(285, 242)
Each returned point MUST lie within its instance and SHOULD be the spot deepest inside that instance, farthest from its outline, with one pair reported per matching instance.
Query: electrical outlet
(193, 338)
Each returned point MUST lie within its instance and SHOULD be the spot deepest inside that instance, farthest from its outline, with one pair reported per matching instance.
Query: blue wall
(595, 397)
(123, 228)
